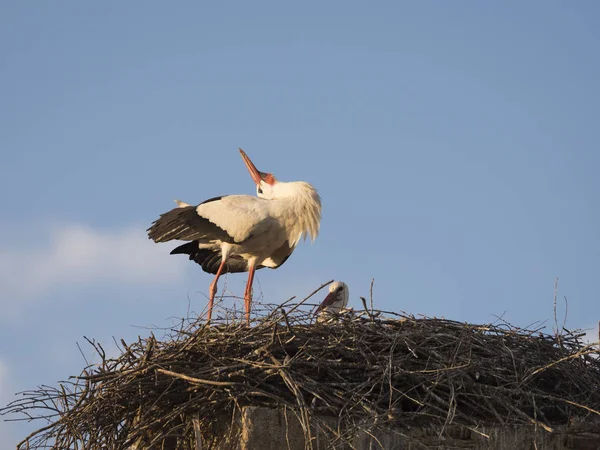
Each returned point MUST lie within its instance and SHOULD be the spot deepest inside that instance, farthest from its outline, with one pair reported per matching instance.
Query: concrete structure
(259, 428)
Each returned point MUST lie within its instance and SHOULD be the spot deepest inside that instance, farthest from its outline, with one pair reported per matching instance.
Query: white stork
(242, 233)
(335, 301)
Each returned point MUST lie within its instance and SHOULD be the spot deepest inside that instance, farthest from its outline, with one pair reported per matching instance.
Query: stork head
(265, 182)
(337, 298)
(306, 200)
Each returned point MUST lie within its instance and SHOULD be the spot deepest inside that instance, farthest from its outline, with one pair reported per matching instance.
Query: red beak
(329, 300)
(254, 172)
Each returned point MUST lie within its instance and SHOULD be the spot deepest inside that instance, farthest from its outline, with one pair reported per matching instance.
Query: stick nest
(372, 368)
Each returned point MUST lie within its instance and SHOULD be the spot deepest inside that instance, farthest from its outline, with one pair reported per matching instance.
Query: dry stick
(309, 296)
(566, 312)
(287, 322)
(441, 369)
(532, 420)
(364, 302)
(371, 294)
(274, 335)
(304, 421)
(288, 300)
(556, 332)
(584, 351)
(581, 406)
(194, 380)
(553, 398)
(491, 407)
(41, 430)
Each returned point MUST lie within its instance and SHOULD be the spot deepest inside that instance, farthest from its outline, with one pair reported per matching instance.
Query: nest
(370, 368)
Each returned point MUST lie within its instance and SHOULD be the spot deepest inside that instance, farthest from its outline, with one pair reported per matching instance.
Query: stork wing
(241, 216)
(232, 219)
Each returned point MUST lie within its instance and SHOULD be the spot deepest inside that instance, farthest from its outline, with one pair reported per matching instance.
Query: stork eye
(340, 289)
(260, 190)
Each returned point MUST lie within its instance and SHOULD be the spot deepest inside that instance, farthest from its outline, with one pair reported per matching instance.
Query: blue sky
(455, 146)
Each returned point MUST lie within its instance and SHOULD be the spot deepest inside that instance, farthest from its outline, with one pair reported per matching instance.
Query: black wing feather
(210, 259)
(186, 224)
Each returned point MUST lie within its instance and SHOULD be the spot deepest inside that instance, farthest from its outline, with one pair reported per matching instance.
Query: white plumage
(335, 301)
(239, 233)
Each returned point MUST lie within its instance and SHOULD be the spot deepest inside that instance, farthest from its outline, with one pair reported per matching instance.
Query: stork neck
(300, 210)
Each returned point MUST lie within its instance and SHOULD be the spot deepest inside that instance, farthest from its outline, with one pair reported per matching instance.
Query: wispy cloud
(78, 255)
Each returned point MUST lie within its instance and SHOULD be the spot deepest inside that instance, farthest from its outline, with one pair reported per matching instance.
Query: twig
(371, 294)
(193, 379)
(369, 312)
(309, 296)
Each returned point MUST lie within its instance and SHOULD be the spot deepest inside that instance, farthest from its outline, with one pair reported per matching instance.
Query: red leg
(248, 293)
(213, 290)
